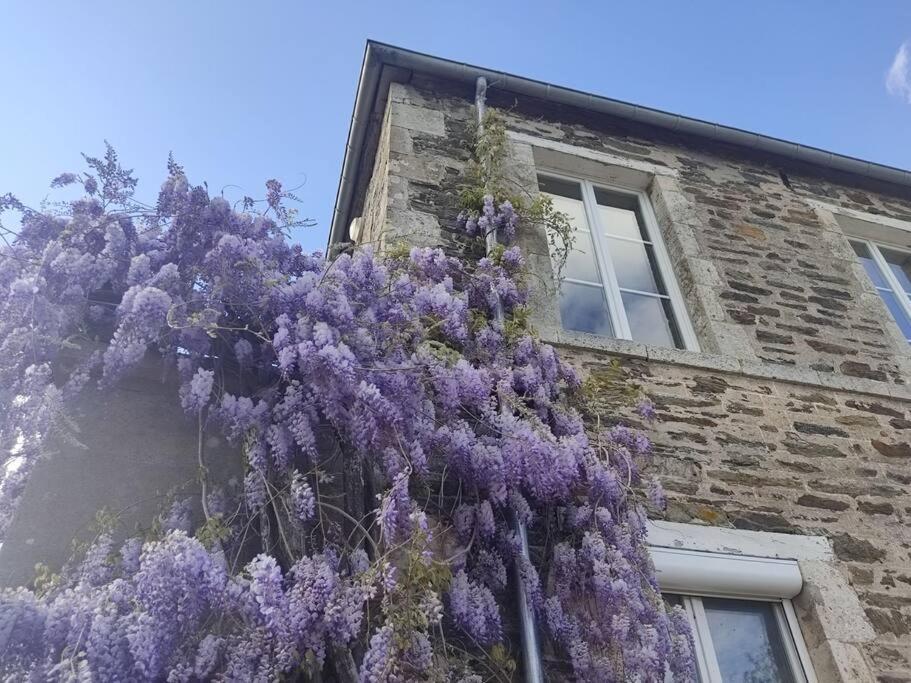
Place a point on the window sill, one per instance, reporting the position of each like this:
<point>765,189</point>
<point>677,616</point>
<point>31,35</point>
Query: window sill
<point>704,361</point>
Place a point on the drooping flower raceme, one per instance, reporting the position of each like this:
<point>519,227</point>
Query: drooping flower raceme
<point>391,428</point>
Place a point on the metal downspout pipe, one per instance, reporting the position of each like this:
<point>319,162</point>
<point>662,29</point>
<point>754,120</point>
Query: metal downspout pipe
<point>531,652</point>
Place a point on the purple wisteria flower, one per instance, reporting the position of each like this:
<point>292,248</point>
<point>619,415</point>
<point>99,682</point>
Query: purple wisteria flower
<point>195,394</point>
<point>474,609</point>
<point>302,498</point>
<point>646,410</point>
<point>411,375</point>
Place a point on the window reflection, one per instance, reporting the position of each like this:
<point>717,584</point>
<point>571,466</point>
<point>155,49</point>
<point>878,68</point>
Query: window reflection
<point>634,263</point>
<point>898,264</point>
<point>581,263</point>
<point>650,320</point>
<point>748,642</point>
<point>866,260</point>
<point>895,308</point>
<point>620,222</point>
<point>583,309</point>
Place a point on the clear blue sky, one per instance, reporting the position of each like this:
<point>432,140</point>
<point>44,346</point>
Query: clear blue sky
<point>245,91</point>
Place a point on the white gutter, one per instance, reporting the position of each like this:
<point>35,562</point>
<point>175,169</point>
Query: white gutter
<point>363,102</point>
<point>378,55</point>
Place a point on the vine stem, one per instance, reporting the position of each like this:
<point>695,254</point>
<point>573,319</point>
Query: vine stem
<point>365,531</point>
<point>278,519</point>
<point>203,471</point>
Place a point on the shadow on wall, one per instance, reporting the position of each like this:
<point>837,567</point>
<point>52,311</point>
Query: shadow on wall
<point>139,446</point>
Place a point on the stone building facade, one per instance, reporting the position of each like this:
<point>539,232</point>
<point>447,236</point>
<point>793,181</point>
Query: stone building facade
<point>788,414</point>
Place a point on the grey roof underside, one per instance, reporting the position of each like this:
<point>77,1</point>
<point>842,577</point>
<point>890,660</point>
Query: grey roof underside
<point>385,63</point>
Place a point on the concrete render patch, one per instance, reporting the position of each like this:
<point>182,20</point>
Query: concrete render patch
<point>740,542</point>
<point>834,603</point>
<point>840,663</point>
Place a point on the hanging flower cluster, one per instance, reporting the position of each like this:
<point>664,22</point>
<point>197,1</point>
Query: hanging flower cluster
<point>393,367</point>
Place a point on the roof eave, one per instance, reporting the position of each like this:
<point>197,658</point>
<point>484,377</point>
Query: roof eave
<point>379,54</point>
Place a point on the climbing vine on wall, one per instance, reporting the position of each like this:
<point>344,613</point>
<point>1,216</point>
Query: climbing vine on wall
<point>385,375</point>
<point>487,176</point>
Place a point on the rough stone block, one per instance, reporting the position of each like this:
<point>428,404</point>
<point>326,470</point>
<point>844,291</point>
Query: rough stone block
<point>417,119</point>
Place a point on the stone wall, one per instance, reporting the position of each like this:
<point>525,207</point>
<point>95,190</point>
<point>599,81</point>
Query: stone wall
<point>796,415</point>
<point>767,455</point>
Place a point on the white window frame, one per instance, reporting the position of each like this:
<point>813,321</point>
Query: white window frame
<point>706,659</point>
<point>611,286</point>
<point>904,299</point>
<point>753,566</point>
<point>872,228</point>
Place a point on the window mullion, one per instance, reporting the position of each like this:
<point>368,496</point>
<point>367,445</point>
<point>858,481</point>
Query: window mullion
<point>611,284</point>
<point>703,638</point>
<point>640,292</point>
<point>887,273</point>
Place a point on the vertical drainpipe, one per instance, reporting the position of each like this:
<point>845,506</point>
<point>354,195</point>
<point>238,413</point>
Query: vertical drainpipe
<point>531,653</point>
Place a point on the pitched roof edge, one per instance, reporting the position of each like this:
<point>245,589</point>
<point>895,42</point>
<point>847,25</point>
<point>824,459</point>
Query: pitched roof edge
<point>378,54</point>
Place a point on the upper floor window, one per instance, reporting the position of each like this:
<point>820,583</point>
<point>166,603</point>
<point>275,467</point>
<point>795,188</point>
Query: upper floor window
<point>889,269</point>
<point>617,281</point>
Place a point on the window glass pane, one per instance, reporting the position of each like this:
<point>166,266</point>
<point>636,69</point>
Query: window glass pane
<point>863,254</point>
<point>897,312</point>
<point>573,208</point>
<point>620,214</point>
<point>581,263</point>
<point>651,320</point>
<point>620,200</point>
<point>900,263</point>
<point>583,308</point>
<point>748,643</point>
<point>567,197</point>
<point>564,188</point>
<point>635,265</point>
<point>620,222</point>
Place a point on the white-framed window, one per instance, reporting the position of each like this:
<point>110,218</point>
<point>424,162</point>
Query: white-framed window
<point>618,281</point>
<point>745,641</point>
<point>889,268</point>
<point>739,606</point>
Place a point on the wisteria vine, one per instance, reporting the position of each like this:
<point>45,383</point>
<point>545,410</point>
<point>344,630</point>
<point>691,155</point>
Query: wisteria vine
<point>367,376</point>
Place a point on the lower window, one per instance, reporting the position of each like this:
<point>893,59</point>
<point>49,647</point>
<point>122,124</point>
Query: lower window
<point>745,641</point>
